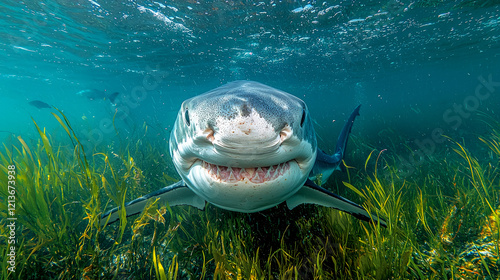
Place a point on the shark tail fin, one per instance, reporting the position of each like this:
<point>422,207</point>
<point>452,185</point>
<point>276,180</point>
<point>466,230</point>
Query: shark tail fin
<point>344,136</point>
<point>176,194</point>
<point>326,164</point>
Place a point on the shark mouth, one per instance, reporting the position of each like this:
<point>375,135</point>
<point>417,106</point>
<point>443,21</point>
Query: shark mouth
<point>255,175</point>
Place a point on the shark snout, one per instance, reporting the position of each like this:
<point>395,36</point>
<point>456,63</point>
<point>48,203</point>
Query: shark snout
<point>244,140</point>
<point>250,143</point>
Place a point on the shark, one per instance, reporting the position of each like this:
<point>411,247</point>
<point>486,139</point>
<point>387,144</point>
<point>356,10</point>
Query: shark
<point>247,147</point>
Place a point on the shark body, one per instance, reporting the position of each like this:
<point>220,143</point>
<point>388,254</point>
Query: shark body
<point>247,147</point>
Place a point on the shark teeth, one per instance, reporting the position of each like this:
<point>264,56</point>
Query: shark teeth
<point>255,175</point>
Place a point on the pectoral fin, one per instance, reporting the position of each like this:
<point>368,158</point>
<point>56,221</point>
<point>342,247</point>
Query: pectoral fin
<point>176,194</point>
<point>314,194</point>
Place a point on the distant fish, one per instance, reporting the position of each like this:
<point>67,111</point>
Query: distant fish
<point>39,104</point>
<point>94,94</point>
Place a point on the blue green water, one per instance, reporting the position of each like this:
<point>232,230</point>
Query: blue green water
<point>419,69</point>
<point>407,63</point>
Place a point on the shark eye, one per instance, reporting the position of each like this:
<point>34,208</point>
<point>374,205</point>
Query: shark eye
<point>303,116</point>
<point>186,117</point>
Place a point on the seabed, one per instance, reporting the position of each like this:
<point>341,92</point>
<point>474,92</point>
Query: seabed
<point>442,217</point>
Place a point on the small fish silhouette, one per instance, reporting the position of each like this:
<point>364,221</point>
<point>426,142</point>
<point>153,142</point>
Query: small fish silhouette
<point>39,104</point>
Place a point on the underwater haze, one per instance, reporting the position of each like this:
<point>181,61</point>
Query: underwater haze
<point>90,90</point>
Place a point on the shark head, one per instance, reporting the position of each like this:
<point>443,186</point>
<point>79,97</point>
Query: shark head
<point>244,146</point>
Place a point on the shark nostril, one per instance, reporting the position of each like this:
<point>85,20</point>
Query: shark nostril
<point>285,133</point>
<point>282,136</point>
<point>210,134</point>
